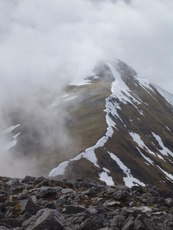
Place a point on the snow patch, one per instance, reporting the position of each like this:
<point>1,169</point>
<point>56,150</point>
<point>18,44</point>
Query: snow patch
<point>60,170</point>
<point>89,154</point>
<point>54,104</point>
<point>145,84</point>
<point>11,128</point>
<point>80,83</point>
<point>168,129</point>
<point>146,158</point>
<point>129,179</point>
<point>70,98</point>
<point>120,89</point>
<point>136,138</point>
<point>106,170</point>
<point>13,143</point>
<point>164,151</point>
<point>60,99</point>
<point>103,176</point>
<point>168,96</point>
<point>168,175</point>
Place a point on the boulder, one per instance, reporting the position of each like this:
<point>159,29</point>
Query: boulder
<point>28,205</point>
<point>46,219</point>
<point>47,192</point>
<point>129,224</point>
<point>169,202</point>
<point>73,209</point>
<point>92,223</point>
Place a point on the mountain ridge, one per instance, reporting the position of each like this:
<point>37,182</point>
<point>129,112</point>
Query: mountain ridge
<point>126,79</point>
<point>120,128</point>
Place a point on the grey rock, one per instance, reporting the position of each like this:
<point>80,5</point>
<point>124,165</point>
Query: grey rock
<point>2,208</point>
<point>121,195</point>
<point>13,182</point>
<point>28,180</point>
<point>92,223</point>
<point>81,204</point>
<point>129,224</point>
<point>118,221</point>
<point>28,206</point>
<point>46,219</point>
<point>72,209</point>
<point>138,224</point>
<point>90,192</point>
<point>66,190</point>
<point>23,195</point>
<point>2,215</point>
<point>39,180</point>
<point>169,220</point>
<point>34,199</point>
<point>11,222</point>
<point>42,183</point>
<point>107,228</point>
<point>92,210</point>
<point>4,228</point>
<point>112,203</point>
<point>132,203</point>
<point>169,202</point>
<point>51,205</point>
<point>47,192</point>
<point>151,225</point>
<point>61,202</point>
<point>3,197</point>
<point>110,190</point>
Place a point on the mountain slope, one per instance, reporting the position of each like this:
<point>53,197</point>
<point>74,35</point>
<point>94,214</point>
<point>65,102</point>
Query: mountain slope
<point>114,127</point>
<point>137,146</point>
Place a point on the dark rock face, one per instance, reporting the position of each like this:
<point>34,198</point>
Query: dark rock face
<point>43,204</point>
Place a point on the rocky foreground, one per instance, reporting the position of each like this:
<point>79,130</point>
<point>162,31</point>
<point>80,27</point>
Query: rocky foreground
<point>40,204</point>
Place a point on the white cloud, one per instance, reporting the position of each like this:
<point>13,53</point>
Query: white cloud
<point>46,43</point>
<point>43,41</point>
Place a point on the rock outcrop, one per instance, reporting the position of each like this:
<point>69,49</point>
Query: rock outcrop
<point>39,204</point>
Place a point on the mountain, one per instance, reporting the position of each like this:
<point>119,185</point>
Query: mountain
<point>120,128</point>
<point>136,147</point>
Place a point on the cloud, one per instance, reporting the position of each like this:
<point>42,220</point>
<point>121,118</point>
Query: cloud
<point>46,43</point>
<point>53,41</point>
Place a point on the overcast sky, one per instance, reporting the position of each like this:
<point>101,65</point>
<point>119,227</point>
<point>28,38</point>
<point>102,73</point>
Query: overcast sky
<point>44,44</point>
<point>48,42</point>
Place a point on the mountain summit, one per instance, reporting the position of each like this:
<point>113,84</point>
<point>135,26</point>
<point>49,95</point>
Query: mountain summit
<point>136,147</point>
<point>120,128</point>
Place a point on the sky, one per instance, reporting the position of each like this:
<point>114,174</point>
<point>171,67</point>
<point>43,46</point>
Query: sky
<point>45,44</point>
<point>49,42</point>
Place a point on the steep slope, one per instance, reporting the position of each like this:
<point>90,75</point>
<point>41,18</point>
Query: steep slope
<point>114,127</point>
<point>63,126</point>
<point>137,146</point>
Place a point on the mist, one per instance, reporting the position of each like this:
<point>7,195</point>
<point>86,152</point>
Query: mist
<point>46,44</point>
